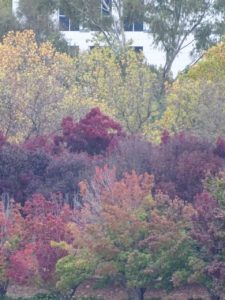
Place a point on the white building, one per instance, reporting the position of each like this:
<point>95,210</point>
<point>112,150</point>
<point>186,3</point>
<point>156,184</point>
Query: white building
<point>137,33</point>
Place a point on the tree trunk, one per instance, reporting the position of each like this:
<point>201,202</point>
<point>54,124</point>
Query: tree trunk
<point>136,293</point>
<point>3,288</point>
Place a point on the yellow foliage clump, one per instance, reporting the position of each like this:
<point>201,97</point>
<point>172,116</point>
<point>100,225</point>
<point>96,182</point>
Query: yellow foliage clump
<point>39,86</point>
<point>196,100</point>
<point>33,79</point>
<point>123,87</point>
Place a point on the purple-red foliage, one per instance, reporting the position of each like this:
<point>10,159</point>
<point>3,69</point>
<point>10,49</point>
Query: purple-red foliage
<point>2,139</point>
<point>220,147</point>
<point>92,134</point>
<point>23,265</point>
<point>217,270</point>
<point>205,206</point>
<point>46,222</point>
<point>208,232</point>
<point>181,162</point>
<point>39,143</point>
<point>130,153</point>
<point>165,137</point>
<point>15,172</point>
<point>64,173</point>
<point>23,173</point>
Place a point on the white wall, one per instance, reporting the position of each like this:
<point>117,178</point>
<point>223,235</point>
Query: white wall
<point>15,4</point>
<point>154,56</point>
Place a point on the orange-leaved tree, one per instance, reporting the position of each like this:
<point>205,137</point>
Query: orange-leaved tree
<point>130,236</point>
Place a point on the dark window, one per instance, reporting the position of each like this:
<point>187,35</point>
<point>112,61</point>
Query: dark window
<point>74,26</point>
<point>138,26</point>
<point>127,25</point>
<point>138,49</point>
<point>64,23</point>
<point>133,26</point>
<point>133,20</point>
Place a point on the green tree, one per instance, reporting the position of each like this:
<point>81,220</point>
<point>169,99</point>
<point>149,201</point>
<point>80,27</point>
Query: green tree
<point>177,24</point>
<point>174,25</point>
<point>38,16</point>
<point>7,19</point>
<point>72,271</point>
<point>97,15</point>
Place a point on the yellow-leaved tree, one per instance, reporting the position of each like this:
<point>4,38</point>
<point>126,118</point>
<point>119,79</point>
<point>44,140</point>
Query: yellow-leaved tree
<point>33,81</point>
<point>39,86</point>
<point>196,100</point>
<point>124,87</point>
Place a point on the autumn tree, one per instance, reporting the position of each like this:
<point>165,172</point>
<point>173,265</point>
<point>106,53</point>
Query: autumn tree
<point>125,232</point>
<point>92,134</point>
<point>208,231</point>
<point>127,92</point>
<point>45,223</point>
<point>196,100</point>
<point>179,163</point>
<point>33,79</point>
<point>11,226</point>
<point>39,86</point>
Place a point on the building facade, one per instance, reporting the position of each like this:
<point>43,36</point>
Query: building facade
<point>136,33</point>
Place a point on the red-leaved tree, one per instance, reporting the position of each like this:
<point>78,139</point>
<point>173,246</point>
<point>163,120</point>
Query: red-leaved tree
<point>45,223</point>
<point>92,134</point>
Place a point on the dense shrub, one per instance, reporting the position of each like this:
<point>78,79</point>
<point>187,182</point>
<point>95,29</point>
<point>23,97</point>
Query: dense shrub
<point>181,162</point>
<point>41,143</point>
<point>64,173</point>
<point>208,232</point>
<point>15,172</point>
<point>2,139</point>
<point>23,173</point>
<point>220,147</point>
<point>92,134</point>
<point>130,153</point>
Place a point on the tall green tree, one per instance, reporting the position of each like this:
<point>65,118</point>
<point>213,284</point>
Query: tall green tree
<point>176,24</point>
<point>7,19</point>
<point>38,16</point>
